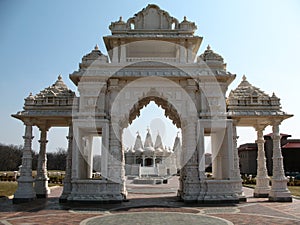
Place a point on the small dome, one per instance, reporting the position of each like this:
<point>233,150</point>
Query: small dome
<point>59,83</point>
<point>30,97</point>
<point>94,57</point>
<point>211,55</point>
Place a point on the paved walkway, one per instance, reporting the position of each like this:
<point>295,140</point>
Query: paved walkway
<point>149,204</point>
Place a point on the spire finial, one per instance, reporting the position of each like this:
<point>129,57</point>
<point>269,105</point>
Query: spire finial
<point>208,47</point>
<point>244,78</point>
<point>120,20</point>
<point>148,129</point>
<point>96,47</point>
<point>184,18</point>
<point>59,77</point>
<point>138,133</point>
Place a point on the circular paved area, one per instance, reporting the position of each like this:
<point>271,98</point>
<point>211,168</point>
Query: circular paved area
<point>155,218</point>
<point>145,207</point>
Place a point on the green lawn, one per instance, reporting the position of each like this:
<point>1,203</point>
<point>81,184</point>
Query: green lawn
<point>7,188</point>
<point>295,190</point>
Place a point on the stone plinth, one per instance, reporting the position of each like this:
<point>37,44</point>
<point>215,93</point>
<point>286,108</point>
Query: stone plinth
<point>221,191</point>
<point>92,191</point>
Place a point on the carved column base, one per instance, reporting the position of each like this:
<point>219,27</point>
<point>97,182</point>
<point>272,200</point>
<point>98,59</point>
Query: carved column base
<point>279,191</point>
<point>190,183</point>
<point>262,188</point>
<point>190,192</point>
<point>220,191</point>
<point>41,187</point>
<point>239,190</point>
<point>66,191</point>
<point>25,191</point>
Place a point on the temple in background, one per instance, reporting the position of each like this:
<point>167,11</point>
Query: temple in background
<point>150,159</point>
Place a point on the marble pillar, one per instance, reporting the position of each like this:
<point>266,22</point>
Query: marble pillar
<point>89,156</point>
<point>25,191</point>
<point>123,178</point>
<point>67,180</point>
<point>143,160</point>
<point>104,150</point>
<point>190,186</point>
<point>41,182</point>
<point>116,160</point>
<point>279,191</point>
<point>262,187</point>
<point>236,174</point>
<point>201,151</point>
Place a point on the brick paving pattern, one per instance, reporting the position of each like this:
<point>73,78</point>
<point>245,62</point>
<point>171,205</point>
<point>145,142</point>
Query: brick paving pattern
<point>149,204</point>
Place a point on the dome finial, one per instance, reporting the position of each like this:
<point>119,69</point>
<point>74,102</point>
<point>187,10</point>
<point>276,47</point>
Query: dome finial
<point>208,47</point>
<point>59,77</point>
<point>244,78</point>
<point>120,20</point>
<point>96,47</point>
<point>184,18</point>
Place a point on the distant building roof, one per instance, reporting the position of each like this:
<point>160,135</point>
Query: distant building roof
<point>292,144</point>
<point>247,147</point>
<point>281,135</point>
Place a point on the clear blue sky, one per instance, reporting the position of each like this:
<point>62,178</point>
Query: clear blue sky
<point>41,39</point>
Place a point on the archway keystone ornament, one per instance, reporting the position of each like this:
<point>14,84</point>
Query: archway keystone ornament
<point>151,57</point>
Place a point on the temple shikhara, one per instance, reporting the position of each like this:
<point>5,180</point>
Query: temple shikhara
<point>152,57</point>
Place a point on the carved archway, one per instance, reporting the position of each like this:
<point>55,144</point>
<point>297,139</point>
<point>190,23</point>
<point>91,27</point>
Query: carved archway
<point>170,111</point>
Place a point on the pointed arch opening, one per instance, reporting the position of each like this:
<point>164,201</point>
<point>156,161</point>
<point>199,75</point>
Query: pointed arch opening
<point>154,159</point>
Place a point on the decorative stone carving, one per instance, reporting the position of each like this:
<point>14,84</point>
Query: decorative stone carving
<point>279,191</point>
<point>41,182</point>
<point>67,189</point>
<point>151,57</point>
<point>262,187</point>
<point>247,97</point>
<point>25,191</point>
<point>94,58</point>
<point>151,18</point>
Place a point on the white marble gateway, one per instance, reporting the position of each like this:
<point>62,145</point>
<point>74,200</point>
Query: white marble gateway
<point>151,57</point>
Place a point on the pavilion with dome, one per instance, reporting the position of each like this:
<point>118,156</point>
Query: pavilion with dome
<point>152,57</point>
<point>152,159</point>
